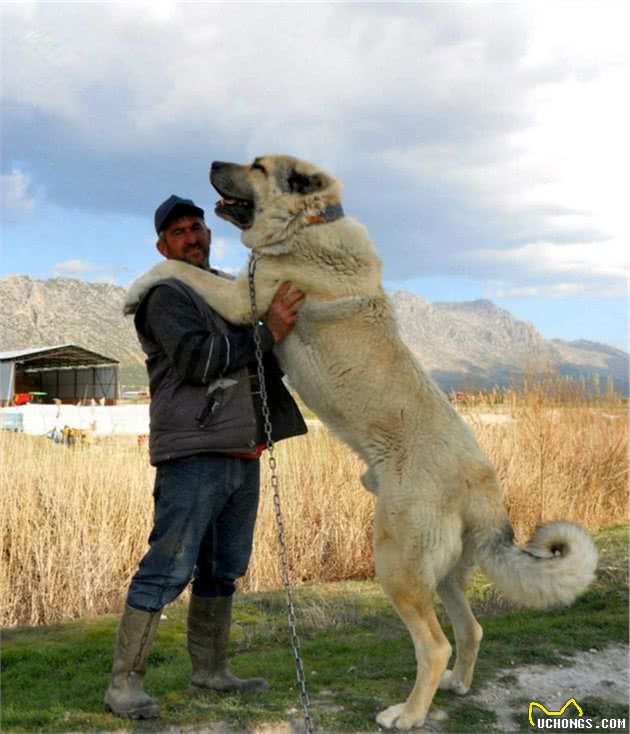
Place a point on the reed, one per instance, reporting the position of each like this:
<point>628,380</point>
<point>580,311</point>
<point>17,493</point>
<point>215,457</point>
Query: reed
<point>74,521</point>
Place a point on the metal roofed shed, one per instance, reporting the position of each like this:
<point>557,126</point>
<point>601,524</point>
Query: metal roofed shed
<point>64,372</point>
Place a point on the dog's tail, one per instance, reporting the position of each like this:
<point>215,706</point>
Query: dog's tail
<point>553,569</point>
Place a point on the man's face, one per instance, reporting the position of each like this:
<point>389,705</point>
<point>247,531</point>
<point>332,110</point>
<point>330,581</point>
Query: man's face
<point>188,239</point>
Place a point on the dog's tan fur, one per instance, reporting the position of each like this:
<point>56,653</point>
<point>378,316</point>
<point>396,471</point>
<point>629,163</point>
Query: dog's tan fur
<point>439,509</point>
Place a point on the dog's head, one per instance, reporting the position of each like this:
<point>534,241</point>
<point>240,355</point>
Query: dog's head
<point>273,196</point>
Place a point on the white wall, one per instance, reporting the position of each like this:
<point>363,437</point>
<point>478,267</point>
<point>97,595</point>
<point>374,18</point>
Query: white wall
<point>103,419</point>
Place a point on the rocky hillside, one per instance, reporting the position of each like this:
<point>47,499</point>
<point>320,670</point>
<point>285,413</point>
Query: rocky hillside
<point>463,345</point>
<point>470,343</point>
<point>477,343</point>
<point>64,310</point>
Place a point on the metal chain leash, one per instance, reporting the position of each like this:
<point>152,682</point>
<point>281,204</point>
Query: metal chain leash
<point>295,640</point>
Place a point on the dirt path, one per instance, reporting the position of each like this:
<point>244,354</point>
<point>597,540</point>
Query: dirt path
<point>599,674</point>
<point>594,674</point>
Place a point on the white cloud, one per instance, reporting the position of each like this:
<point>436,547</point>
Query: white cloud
<point>251,70</point>
<point>231,270</point>
<point>83,270</point>
<point>557,290</point>
<point>16,197</point>
<point>606,260</point>
<point>220,246</point>
<point>518,112</point>
<point>228,254</point>
<point>565,175</point>
<point>73,267</point>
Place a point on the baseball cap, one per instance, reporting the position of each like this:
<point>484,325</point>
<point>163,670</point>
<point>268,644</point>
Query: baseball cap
<point>172,208</point>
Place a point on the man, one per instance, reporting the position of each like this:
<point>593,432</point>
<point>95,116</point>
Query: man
<point>205,439</point>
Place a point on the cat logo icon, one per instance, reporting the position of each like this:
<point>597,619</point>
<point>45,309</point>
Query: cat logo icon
<point>546,712</point>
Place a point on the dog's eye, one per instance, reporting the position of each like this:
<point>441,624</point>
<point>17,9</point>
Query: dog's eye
<point>259,167</point>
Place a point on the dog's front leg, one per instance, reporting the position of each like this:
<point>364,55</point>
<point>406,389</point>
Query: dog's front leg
<point>230,298</point>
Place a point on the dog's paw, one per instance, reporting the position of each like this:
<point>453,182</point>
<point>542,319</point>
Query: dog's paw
<point>450,683</point>
<point>389,716</point>
<point>437,715</point>
<point>132,299</point>
<point>139,288</point>
<point>397,717</point>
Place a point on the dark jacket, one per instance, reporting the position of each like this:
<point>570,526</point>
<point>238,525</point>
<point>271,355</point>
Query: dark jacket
<point>189,347</point>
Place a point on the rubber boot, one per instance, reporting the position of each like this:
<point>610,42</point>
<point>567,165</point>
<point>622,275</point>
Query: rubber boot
<point>209,622</point>
<point>125,695</point>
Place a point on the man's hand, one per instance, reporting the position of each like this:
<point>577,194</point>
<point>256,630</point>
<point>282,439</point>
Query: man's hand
<point>282,313</point>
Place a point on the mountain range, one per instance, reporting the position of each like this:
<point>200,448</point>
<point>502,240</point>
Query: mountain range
<point>464,345</point>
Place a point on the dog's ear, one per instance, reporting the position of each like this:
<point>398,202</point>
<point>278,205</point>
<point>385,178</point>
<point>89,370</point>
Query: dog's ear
<point>301,183</point>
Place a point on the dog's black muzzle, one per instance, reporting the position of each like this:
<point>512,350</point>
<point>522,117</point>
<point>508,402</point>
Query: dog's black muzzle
<point>237,202</point>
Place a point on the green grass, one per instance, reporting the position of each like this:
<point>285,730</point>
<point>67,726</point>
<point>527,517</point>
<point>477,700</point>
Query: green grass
<point>358,658</point>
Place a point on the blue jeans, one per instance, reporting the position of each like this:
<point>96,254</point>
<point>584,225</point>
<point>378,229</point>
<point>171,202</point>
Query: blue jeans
<point>205,511</point>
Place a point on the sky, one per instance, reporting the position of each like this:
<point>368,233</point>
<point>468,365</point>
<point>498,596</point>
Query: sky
<point>485,145</point>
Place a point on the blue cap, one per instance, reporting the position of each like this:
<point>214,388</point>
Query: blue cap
<point>173,208</point>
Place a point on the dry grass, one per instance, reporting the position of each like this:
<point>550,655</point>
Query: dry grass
<point>563,456</point>
<point>74,521</point>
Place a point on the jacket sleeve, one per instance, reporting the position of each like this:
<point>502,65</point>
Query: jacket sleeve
<point>198,354</point>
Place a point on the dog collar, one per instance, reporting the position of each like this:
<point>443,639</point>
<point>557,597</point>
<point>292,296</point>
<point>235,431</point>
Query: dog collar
<point>329,214</point>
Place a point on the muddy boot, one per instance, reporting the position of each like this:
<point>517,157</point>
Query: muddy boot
<point>125,695</point>
<point>209,621</point>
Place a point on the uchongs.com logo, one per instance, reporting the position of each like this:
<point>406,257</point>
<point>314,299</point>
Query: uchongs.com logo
<point>570,717</point>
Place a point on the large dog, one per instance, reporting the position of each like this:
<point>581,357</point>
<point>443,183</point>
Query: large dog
<point>439,509</point>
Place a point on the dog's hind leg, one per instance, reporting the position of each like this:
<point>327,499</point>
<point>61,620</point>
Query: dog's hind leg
<point>468,632</point>
<point>414,604</point>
